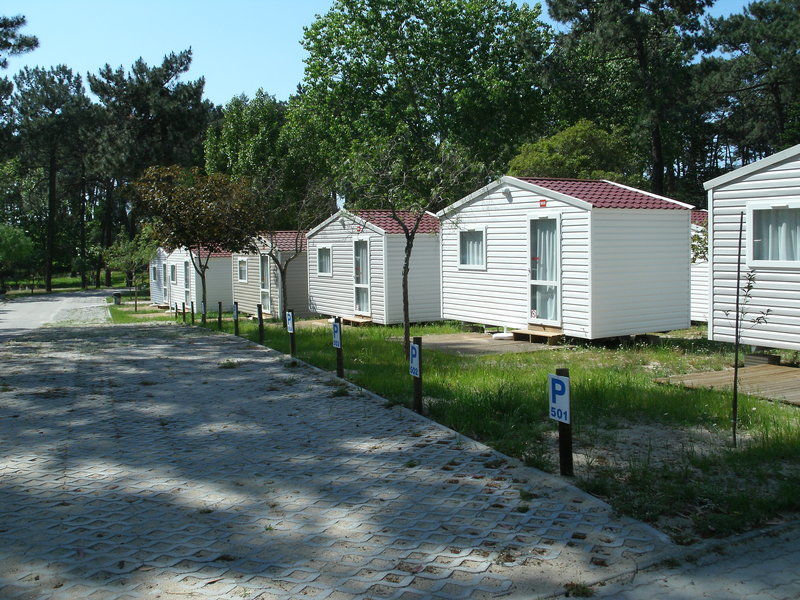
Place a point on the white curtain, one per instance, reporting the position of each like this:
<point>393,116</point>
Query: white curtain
<point>544,259</point>
<point>776,234</point>
<point>471,249</point>
<point>543,302</point>
<point>264,272</point>
<point>323,260</point>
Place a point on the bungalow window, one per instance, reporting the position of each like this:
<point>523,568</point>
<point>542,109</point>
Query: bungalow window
<point>324,265</point>
<point>775,234</point>
<point>242,269</point>
<point>173,273</point>
<point>154,273</point>
<point>472,248</point>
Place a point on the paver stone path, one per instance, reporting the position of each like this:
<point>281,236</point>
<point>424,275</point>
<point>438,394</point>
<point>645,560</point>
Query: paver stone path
<point>169,462</point>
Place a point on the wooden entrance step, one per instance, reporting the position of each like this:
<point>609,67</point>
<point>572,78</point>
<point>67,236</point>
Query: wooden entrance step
<point>356,321</point>
<point>539,333</point>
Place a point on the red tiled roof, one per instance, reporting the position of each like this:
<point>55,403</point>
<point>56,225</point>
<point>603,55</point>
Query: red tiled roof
<point>700,217</point>
<point>286,241</point>
<point>386,221</point>
<point>602,194</point>
<point>214,253</point>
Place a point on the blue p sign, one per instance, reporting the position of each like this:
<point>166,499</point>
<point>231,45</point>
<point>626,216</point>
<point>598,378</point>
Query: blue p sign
<point>559,398</point>
<point>413,360</point>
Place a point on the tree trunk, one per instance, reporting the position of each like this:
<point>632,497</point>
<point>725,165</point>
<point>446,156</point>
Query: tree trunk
<point>653,112</point>
<point>406,311</point>
<point>108,277</point>
<point>82,231</point>
<point>50,235</point>
<point>284,291</point>
<point>205,297</point>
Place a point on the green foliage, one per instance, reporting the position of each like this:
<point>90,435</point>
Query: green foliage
<point>699,244</point>
<point>16,251</point>
<point>582,151</point>
<point>244,142</point>
<point>12,42</point>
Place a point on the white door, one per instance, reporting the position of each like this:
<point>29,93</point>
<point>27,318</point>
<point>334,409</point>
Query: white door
<point>266,300</point>
<point>165,285</point>
<point>187,288</point>
<point>361,276</point>
<point>545,259</point>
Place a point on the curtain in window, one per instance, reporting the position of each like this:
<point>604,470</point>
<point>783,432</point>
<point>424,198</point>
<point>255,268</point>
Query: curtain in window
<point>544,253</point>
<point>264,272</point>
<point>362,300</point>
<point>186,278</point>
<point>471,248</point>
<point>361,262</point>
<point>776,234</point>
<point>543,302</point>
<point>323,260</point>
<point>242,270</point>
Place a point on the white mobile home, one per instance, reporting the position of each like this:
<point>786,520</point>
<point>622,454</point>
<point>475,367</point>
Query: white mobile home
<point>355,262</point>
<point>159,278</point>
<point>586,258</point>
<point>699,274</point>
<point>767,193</point>
<point>257,280</point>
<point>184,285</point>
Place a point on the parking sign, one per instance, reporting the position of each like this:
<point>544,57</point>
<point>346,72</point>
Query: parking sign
<point>559,398</point>
<point>413,360</point>
<point>337,335</point>
<point>289,321</point>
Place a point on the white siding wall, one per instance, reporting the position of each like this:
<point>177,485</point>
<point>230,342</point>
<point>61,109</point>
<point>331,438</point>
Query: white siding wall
<point>247,294</point>
<point>157,283</point>
<point>423,279</point>
<point>777,289</point>
<point>499,295</point>
<point>640,271</point>
<point>218,282</point>
<point>296,287</point>
<point>699,286</point>
<point>335,295</point>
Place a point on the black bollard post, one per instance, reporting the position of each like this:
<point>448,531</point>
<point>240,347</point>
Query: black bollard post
<point>260,325</point>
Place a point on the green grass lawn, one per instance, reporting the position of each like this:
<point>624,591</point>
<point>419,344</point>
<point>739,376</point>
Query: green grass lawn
<point>690,490</point>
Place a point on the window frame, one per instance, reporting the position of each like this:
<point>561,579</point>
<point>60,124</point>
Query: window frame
<point>187,275</point>
<point>467,229</point>
<point>366,286</point>
<point>239,261</point>
<point>752,207</point>
<point>154,273</point>
<point>329,248</point>
<point>173,273</point>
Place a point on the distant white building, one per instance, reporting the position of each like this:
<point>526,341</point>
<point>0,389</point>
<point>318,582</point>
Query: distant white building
<point>586,258</point>
<point>355,262</point>
<point>179,282</point>
<point>256,279</point>
<point>767,193</point>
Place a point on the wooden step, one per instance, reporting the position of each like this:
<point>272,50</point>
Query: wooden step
<point>551,337</point>
<point>356,321</point>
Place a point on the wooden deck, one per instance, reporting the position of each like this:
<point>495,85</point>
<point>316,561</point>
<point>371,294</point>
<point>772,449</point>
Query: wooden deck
<point>773,382</point>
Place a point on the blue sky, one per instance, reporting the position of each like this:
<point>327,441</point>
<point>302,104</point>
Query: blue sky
<point>238,45</point>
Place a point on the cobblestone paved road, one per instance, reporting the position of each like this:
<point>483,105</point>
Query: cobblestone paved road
<point>168,462</point>
<point>759,568</point>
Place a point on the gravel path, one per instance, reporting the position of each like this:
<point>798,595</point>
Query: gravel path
<point>19,315</point>
<point>169,462</point>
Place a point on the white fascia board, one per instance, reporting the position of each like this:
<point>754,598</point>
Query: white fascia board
<point>651,194</point>
<point>346,214</point>
<point>752,167</point>
<point>518,183</point>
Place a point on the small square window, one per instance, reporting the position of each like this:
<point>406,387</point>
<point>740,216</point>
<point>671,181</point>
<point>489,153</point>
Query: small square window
<point>471,248</point>
<point>324,266</point>
<point>242,269</point>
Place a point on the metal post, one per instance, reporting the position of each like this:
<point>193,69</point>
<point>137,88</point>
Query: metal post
<point>192,313</point>
<point>339,354</point>
<point>183,308</point>
<point>260,325</point>
<point>235,318</point>
<point>565,439</point>
<point>219,316</point>
<point>418,379</point>
<point>177,312</point>
<point>292,343</point>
